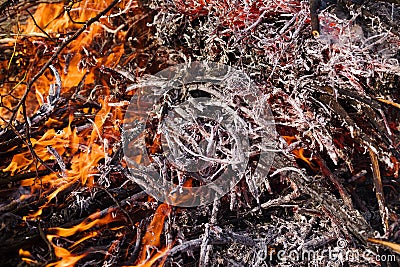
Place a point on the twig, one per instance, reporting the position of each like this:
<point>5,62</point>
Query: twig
<point>40,28</point>
<point>257,22</point>
<point>119,206</point>
<point>139,236</point>
<point>314,7</point>
<point>49,245</point>
<point>205,248</point>
<point>55,55</point>
<point>379,190</point>
<point>59,160</point>
<point>131,201</point>
<point>24,176</point>
<point>281,200</point>
<point>334,180</point>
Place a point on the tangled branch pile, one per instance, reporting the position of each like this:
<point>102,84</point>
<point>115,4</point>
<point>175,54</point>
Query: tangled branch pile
<point>68,198</point>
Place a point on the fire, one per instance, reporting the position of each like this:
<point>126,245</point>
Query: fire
<point>299,153</point>
<point>185,197</point>
<point>23,161</point>
<point>289,139</point>
<point>75,65</point>
<point>24,253</point>
<point>90,235</point>
<point>26,257</point>
<point>83,226</point>
<point>77,60</point>
<point>73,146</point>
<point>391,245</point>
<point>188,183</point>
<point>53,19</point>
<point>161,254</point>
<point>152,237</point>
<point>87,151</point>
<point>65,256</point>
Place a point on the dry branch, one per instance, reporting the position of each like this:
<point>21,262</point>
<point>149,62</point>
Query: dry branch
<point>333,98</point>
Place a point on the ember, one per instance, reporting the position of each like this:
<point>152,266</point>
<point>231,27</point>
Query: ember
<point>115,115</point>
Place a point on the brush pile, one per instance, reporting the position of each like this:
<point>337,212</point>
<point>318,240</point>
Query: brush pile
<point>70,68</point>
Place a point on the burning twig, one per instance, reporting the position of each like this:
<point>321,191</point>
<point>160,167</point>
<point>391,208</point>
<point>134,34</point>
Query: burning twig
<point>40,28</point>
<point>314,8</point>
<point>326,95</point>
<point>59,160</point>
<point>379,190</point>
<point>23,176</point>
<point>62,46</point>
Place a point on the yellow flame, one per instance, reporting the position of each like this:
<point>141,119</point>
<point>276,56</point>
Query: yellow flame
<point>391,245</point>
<point>65,256</point>
<point>85,225</point>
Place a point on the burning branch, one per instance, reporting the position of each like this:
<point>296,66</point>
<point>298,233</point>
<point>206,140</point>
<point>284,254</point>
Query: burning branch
<point>71,71</point>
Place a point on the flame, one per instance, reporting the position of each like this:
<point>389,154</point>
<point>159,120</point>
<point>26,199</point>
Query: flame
<point>26,256</point>
<point>24,161</point>
<point>82,163</point>
<point>66,257</point>
<point>90,235</point>
<point>152,237</point>
<point>55,21</point>
<point>29,261</point>
<point>289,139</point>
<point>83,149</point>
<point>78,59</point>
<point>187,192</point>
<point>188,182</point>
<point>299,153</point>
<point>83,226</point>
<point>161,254</point>
<point>391,245</point>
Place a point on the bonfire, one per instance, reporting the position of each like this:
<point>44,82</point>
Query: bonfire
<point>199,133</point>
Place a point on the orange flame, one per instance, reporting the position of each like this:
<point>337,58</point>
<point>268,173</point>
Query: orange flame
<point>83,226</point>
<point>55,21</point>
<point>152,237</point>
<point>161,254</point>
<point>67,259</point>
<point>65,256</point>
<point>299,153</point>
<point>289,139</point>
<point>90,235</point>
<point>391,245</point>
<point>26,256</point>
<point>82,163</point>
<point>82,150</point>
